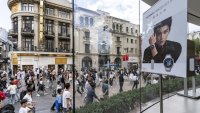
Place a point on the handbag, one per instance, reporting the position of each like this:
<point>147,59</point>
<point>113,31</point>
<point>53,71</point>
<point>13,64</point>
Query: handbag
<point>7,94</point>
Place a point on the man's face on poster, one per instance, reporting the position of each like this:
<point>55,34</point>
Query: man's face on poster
<point>162,34</point>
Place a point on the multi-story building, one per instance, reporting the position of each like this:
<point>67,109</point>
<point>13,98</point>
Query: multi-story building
<point>125,42</point>
<point>102,40</point>
<point>5,47</point>
<point>86,36</point>
<point>43,32</point>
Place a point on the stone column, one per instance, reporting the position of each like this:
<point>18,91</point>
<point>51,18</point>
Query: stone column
<point>36,32</point>
<point>56,69</point>
<point>19,33</point>
<point>71,37</point>
<point>65,67</point>
<point>56,34</point>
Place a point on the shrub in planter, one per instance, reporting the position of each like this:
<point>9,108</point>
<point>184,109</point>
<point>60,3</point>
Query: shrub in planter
<point>126,101</point>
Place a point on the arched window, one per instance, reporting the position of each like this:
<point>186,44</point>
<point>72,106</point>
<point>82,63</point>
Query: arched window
<point>118,62</point>
<point>86,62</point>
<point>117,27</point>
<point>120,28</point>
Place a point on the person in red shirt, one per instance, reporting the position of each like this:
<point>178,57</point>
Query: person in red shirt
<point>2,97</point>
<point>18,84</point>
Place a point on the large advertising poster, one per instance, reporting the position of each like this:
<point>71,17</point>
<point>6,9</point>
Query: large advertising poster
<point>164,43</point>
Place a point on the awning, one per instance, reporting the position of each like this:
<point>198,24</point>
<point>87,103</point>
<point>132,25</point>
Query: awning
<point>193,10</point>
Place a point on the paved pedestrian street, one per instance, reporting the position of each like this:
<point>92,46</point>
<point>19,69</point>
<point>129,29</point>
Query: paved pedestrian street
<point>44,102</point>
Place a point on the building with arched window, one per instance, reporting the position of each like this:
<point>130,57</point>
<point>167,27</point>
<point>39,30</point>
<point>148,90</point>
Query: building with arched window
<point>102,40</point>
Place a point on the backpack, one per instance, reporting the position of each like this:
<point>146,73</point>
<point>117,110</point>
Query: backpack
<point>22,94</point>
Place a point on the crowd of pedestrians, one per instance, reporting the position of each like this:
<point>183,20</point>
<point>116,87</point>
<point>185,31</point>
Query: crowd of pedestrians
<point>21,86</point>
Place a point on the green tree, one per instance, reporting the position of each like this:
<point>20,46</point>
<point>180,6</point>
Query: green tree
<point>197,45</point>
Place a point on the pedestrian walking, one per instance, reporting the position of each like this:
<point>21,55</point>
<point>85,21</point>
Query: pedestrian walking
<point>59,101</point>
<point>121,80</point>
<point>67,99</point>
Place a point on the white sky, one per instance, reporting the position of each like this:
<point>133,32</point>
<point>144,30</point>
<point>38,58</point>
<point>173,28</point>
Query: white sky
<point>5,21</point>
<point>124,9</point>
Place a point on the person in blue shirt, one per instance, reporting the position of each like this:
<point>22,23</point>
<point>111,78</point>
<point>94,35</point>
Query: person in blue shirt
<point>91,94</point>
<point>105,89</point>
<point>59,101</point>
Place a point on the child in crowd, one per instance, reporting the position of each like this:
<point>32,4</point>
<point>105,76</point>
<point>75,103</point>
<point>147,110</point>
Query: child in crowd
<point>24,108</point>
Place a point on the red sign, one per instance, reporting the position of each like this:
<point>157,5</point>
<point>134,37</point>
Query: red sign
<point>125,57</point>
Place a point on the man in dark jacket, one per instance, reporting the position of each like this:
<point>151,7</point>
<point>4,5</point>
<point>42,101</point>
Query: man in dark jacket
<point>121,80</point>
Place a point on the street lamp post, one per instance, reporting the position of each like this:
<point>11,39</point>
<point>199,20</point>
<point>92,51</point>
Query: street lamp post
<point>73,57</point>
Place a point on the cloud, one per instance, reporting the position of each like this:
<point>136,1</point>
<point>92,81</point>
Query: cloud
<point>5,21</point>
<point>124,9</point>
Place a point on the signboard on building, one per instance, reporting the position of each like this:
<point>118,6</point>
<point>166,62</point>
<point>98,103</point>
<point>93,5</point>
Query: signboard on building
<point>60,60</point>
<point>164,45</point>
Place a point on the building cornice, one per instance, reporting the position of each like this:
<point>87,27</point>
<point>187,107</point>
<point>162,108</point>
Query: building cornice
<point>34,53</point>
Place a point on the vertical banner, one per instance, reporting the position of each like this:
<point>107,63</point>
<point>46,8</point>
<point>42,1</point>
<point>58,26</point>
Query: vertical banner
<point>164,43</point>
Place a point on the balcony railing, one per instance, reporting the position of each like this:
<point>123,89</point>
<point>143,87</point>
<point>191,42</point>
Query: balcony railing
<point>63,50</point>
<point>28,49</point>
<point>117,31</point>
<point>118,43</point>
<point>13,32</point>
<point>63,35</point>
<point>49,50</point>
<point>50,34</point>
<point>87,51</point>
<point>118,53</point>
<point>27,30</point>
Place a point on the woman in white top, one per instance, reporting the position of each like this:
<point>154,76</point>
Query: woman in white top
<point>12,89</point>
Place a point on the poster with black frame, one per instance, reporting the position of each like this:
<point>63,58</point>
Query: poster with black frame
<point>164,40</point>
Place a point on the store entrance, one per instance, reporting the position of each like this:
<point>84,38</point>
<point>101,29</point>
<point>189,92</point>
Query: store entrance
<point>51,67</point>
<point>27,67</point>
<point>15,68</point>
<point>60,67</point>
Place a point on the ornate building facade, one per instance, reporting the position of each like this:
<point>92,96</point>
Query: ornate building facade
<point>42,30</point>
<point>103,40</point>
